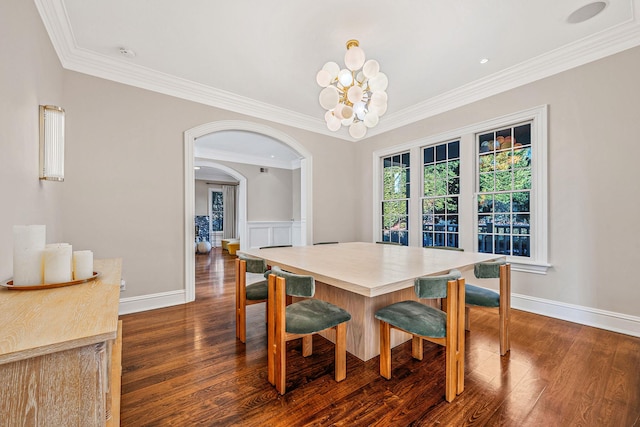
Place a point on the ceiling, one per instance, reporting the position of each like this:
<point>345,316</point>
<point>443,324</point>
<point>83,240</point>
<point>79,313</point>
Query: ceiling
<point>260,58</point>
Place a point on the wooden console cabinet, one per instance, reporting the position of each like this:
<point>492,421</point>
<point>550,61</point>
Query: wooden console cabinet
<point>60,353</point>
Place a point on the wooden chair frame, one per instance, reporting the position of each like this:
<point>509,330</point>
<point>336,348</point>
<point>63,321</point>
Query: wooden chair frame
<point>504,311</point>
<point>454,341</point>
<point>241,300</point>
<point>277,338</point>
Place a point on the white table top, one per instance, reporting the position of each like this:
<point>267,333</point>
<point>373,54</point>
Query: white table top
<point>368,269</point>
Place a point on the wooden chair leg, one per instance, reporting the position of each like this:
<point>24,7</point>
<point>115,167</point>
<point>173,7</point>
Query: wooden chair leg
<point>280,337</point>
<point>241,301</point>
<point>271,329</point>
<point>461,321</point>
<point>505,308</point>
<point>416,347</point>
<point>307,345</point>
<point>385,350</point>
<point>451,341</point>
<point>341,352</point>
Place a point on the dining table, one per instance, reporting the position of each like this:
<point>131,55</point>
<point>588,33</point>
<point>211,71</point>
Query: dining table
<point>362,277</point>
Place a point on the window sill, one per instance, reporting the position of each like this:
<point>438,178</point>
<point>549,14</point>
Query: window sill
<point>534,267</point>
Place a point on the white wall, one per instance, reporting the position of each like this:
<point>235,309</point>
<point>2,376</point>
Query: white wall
<point>30,75</point>
<point>594,125</point>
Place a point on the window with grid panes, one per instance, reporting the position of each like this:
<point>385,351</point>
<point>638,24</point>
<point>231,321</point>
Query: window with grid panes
<point>504,182</point>
<point>395,198</point>
<point>440,201</point>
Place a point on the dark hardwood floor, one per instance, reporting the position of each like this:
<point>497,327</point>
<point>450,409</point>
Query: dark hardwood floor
<point>183,366</point>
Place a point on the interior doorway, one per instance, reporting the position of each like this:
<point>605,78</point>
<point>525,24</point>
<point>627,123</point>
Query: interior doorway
<point>190,137</point>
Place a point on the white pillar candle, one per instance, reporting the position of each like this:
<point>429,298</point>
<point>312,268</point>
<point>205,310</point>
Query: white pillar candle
<point>28,244</point>
<point>57,263</point>
<point>82,264</point>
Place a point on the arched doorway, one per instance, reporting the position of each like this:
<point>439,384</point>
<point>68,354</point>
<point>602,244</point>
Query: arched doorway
<point>190,137</point>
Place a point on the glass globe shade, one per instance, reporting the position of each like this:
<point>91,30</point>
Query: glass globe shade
<point>379,109</point>
<point>347,122</point>
<point>371,119</point>
<point>338,111</point>
<point>359,109</point>
<point>329,97</point>
<point>357,130</point>
<point>354,94</point>
<point>378,98</point>
<point>347,112</point>
<point>333,123</point>
<point>371,68</point>
<point>332,68</point>
<point>360,78</point>
<point>378,83</point>
<point>345,78</point>
<point>323,78</point>
<point>354,58</point>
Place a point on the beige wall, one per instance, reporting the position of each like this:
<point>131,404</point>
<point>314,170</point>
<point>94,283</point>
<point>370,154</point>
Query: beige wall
<point>593,154</point>
<point>30,75</point>
<point>269,194</point>
<point>124,190</point>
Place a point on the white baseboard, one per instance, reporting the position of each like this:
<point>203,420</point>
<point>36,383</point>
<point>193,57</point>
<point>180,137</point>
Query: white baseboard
<point>609,320</point>
<point>151,302</point>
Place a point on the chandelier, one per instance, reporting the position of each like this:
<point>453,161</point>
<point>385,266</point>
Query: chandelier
<point>354,96</point>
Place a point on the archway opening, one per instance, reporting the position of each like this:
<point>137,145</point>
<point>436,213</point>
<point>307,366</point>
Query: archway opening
<point>192,156</point>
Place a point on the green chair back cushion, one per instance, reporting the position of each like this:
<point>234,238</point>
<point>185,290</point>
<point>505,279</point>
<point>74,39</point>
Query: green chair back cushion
<point>434,286</point>
<point>254,265</point>
<point>297,285</point>
<point>488,270</point>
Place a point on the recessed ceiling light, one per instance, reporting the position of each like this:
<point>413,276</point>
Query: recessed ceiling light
<point>586,12</point>
<point>484,60</point>
<point>127,52</point>
<point>196,167</point>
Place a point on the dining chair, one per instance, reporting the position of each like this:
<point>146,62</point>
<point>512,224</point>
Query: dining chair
<point>254,293</point>
<point>476,296</point>
<point>487,298</point>
<point>300,319</point>
<point>424,322</point>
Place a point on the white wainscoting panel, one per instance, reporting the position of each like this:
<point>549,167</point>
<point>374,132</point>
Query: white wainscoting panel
<point>272,233</point>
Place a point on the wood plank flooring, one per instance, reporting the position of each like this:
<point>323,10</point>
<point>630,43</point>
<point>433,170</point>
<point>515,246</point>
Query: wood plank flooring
<point>182,366</point>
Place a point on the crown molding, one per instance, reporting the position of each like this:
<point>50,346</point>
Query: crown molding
<point>588,49</point>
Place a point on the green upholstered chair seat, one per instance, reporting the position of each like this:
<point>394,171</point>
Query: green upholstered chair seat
<point>313,315</point>
<point>258,291</point>
<point>482,297</point>
<point>415,318</point>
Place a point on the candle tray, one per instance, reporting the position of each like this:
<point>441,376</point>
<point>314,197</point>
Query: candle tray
<point>10,285</point>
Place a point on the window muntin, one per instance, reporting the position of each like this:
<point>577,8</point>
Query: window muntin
<point>504,181</point>
<point>396,191</point>
<point>441,190</point>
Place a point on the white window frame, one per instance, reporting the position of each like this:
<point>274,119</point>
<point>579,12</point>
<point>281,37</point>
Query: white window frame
<point>538,261</point>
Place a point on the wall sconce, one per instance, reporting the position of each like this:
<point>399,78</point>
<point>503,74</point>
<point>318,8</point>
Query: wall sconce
<point>51,143</point>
